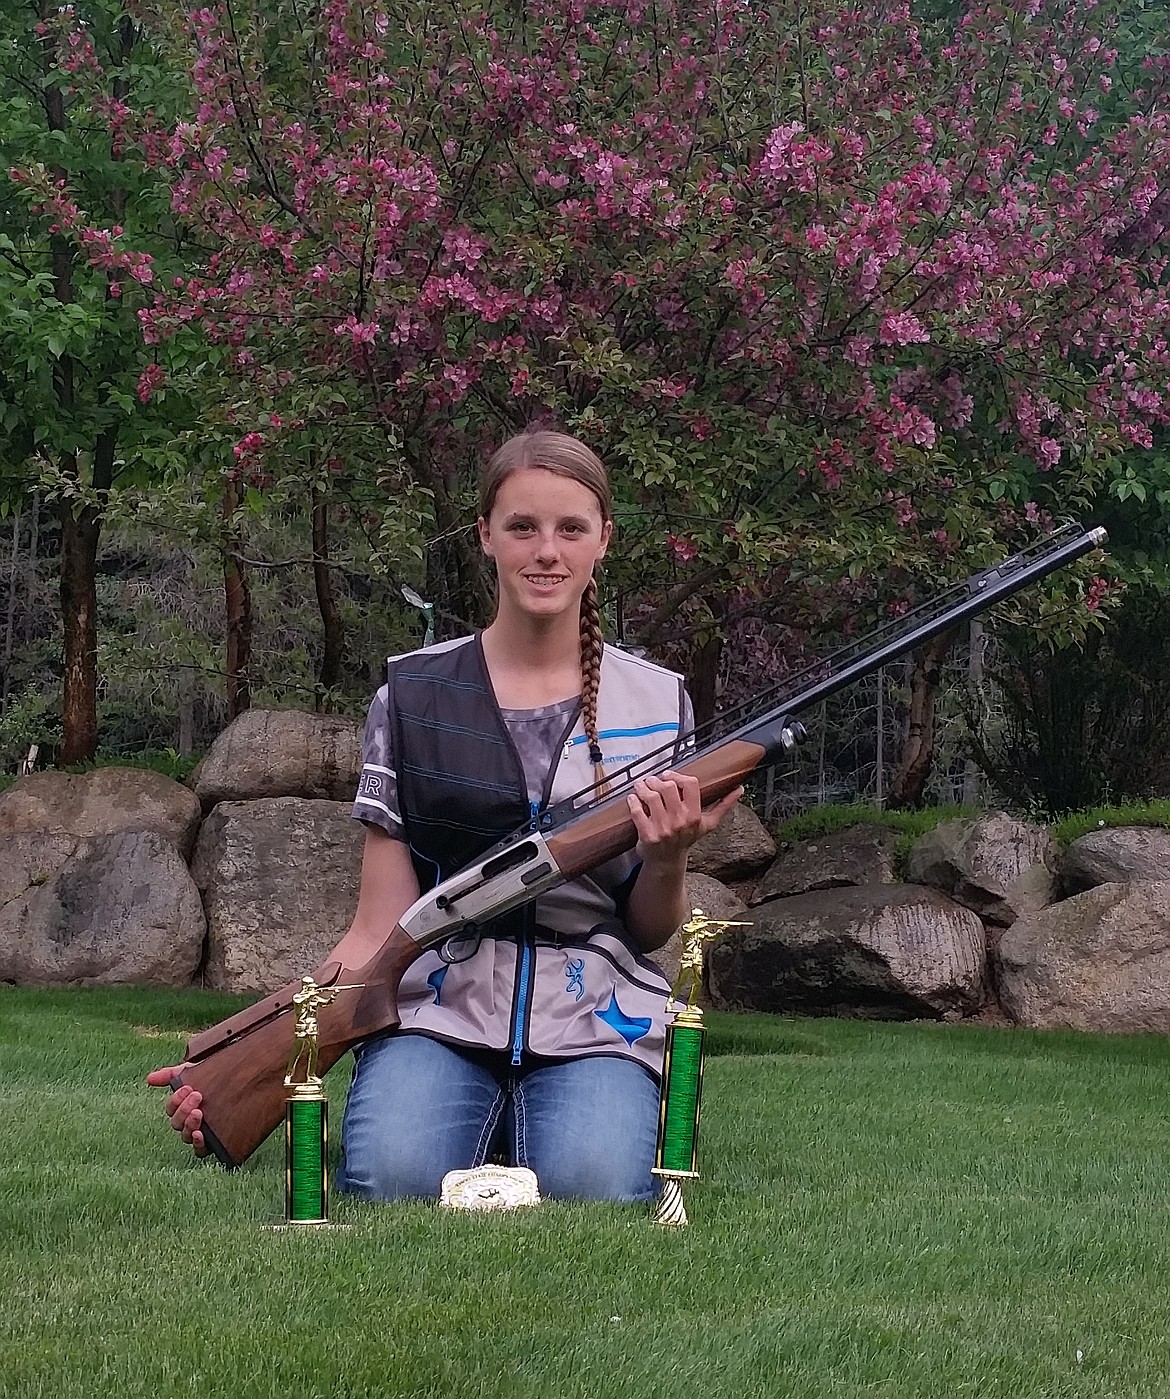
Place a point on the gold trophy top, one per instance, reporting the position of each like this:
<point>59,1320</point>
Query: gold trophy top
<point>307,1002</point>
<point>696,933</point>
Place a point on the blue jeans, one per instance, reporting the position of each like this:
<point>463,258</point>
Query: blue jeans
<point>418,1108</point>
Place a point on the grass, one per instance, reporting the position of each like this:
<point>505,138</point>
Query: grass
<point>824,820</point>
<point>1144,813</point>
<point>885,1210</point>
<point>164,760</point>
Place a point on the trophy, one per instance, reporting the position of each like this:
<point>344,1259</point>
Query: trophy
<point>306,1113</point>
<point>676,1155</point>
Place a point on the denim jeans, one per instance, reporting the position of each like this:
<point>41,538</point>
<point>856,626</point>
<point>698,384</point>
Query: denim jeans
<point>418,1108</point>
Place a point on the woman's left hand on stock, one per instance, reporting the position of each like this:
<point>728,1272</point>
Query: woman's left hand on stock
<point>669,817</point>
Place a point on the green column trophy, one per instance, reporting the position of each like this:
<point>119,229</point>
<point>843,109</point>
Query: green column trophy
<point>306,1114</point>
<point>676,1156</point>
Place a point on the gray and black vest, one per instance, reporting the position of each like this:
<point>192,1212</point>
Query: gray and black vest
<point>544,979</point>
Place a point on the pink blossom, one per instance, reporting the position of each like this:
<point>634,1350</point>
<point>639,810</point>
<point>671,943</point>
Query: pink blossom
<point>250,443</point>
<point>1049,452</point>
<point>464,246</point>
<point>1095,592</point>
<point>913,425</point>
<point>832,477</point>
<point>152,378</point>
<point>736,274</point>
<point>859,350</point>
<point>357,332</point>
<point>459,377</point>
<point>901,328</point>
<point>670,388</point>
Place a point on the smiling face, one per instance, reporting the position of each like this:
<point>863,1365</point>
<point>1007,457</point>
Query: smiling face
<point>545,533</point>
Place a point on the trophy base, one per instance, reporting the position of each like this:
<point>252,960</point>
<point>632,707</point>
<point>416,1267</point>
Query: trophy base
<point>669,1211</point>
<point>293,1225</point>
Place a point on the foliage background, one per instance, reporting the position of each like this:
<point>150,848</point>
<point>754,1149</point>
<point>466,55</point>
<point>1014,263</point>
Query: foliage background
<point>852,302</point>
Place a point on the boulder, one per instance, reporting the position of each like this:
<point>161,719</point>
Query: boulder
<point>1097,961</point>
<point>893,952</point>
<point>279,878</point>
<point>862,854</point>
<point>97,910</point>
<point>103,802</point>
<point>715,900</point>
<point>738,847</point>
<point>281,753</point>
<point>996,866</point>
<point>1116,855</point>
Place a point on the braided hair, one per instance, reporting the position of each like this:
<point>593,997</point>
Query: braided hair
<point>592,648</point>
<point>564,456</point>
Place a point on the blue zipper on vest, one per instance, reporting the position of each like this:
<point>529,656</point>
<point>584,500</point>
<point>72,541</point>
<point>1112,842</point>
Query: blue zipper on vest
<point>525,966</point>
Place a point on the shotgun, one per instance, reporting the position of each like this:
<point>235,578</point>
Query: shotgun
<point>238,1065</point>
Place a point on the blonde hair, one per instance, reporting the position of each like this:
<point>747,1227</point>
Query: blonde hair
<point>564,456</point>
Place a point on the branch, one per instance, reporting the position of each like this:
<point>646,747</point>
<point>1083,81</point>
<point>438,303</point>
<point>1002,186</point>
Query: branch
<point>675,598</point>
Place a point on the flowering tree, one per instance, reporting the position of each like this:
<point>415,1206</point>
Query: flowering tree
<point>76,379</point>
<point>846,300</point>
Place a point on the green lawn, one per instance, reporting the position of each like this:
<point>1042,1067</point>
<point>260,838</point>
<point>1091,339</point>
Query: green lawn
<point>885,1210</point>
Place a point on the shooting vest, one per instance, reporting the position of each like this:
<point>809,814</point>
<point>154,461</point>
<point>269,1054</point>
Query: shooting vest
<point>517,984</point>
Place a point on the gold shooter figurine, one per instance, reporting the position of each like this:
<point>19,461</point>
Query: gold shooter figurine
<point>308,1001</point>
<point>699,931</point>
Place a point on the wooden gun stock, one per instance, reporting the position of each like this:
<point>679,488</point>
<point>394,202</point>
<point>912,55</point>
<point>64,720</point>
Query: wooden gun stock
<point>239,1064</point>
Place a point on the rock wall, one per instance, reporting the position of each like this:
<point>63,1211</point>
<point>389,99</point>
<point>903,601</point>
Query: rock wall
<point>244,883</point>
<point>1000,922</point>
<point>123,876</point>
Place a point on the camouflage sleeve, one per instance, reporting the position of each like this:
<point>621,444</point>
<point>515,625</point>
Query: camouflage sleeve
<point>376,802</point>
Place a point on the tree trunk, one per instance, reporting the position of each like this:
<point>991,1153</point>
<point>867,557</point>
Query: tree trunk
<point>703,677</point>
<point>34,535</point>
<point>238,611</point>
<point>909,782</point>
<point>10,625</point>
<point>462,589</point>
<point>186,715</point>
<point>332,628</point>
<point>79,544</point>
<point>80,528</point>
<point>80,533</point>
<point>459,580</point>
<point>975,645</point>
